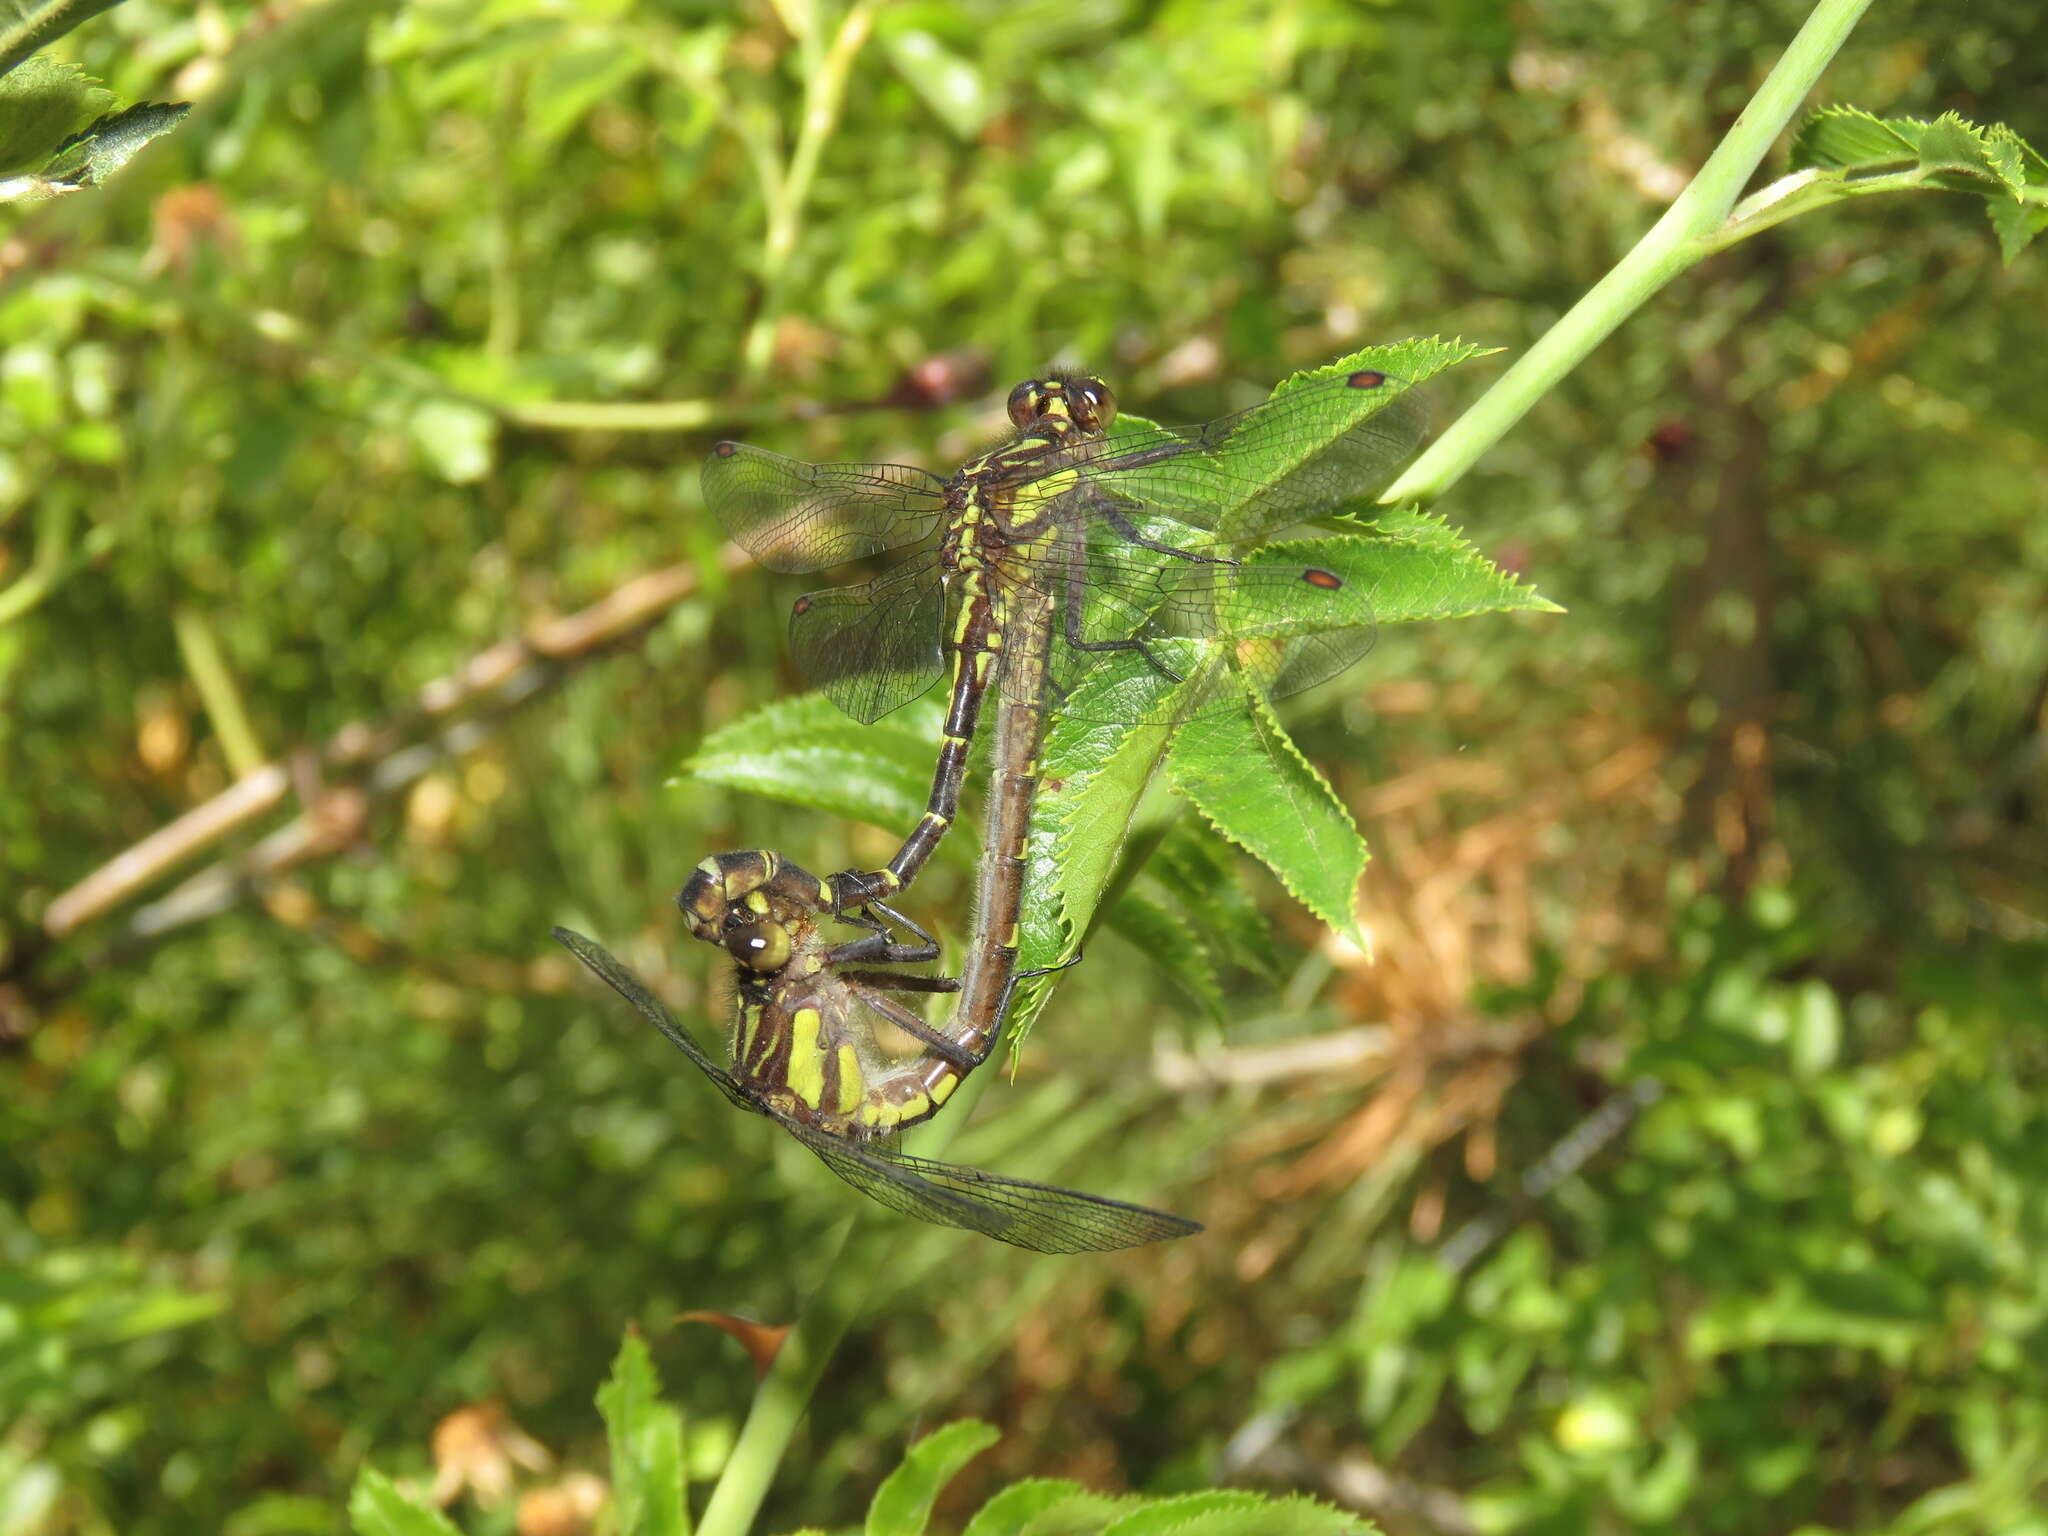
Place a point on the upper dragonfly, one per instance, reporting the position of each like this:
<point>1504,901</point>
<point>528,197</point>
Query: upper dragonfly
<point>1130,542</point>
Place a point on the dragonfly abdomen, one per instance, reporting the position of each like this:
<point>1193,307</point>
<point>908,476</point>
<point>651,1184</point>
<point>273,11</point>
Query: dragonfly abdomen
<point>810,1054</point>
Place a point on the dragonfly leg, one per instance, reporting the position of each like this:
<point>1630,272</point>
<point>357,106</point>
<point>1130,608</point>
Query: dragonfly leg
<point>963,1059</point>
<point>1129,530</point>
<point>881,947</point>
<point>1076,637</point>
<point>1010,987</point>
<point>895,982</point>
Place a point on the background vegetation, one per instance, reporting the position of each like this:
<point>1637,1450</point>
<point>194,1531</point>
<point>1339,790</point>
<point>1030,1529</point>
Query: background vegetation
<point>406,342</point>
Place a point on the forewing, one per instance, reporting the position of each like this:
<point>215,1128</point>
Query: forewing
<point>793,516</point>
<point>1300,455</point>
<point>1036,1216</point>
<point>634,991</point>
<point>1208,630</point>
<point>874,647</point>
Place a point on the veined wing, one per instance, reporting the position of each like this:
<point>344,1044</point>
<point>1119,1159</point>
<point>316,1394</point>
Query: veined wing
<point>1300,455</point>
<point>1206,632</point>
<point>874,647</point>
<point>634,991</point>
<point>793,516</point>
<point>1042,1217</point>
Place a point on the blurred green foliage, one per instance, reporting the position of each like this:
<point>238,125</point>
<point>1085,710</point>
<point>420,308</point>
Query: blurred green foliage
<point>327,392</point>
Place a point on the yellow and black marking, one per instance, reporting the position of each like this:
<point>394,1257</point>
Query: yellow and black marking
<point>997,505</point>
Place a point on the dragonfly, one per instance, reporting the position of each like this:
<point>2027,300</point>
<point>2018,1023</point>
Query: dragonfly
<point>1131,546</point>
<point>805,1054</point>
<point>805,1043</point>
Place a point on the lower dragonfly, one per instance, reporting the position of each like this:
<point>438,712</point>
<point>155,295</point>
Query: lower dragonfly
<point>805,1054</point>
<point>804,1044</point>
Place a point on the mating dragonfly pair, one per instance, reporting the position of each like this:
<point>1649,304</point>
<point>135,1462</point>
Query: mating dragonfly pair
<point>1070,554</point>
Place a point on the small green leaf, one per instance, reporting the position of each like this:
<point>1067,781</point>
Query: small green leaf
<point>1415,567</point>
<point>1857,153</point>
<point>1170,941</point>
<point>951,86</point>
<point>1044,1507</point>
<point>26,26</point>
<point>1234,1512</point>
<point>455,438</point>
<point>1838,138</point>
<point>646,1437</point>
<point>88,158</point>
<point>2017,225</point>
<point>1094,775</point>
<point>1249,779</point>
<point>575,73</point>
<point>803,751</point>
<point>376,1507</point>
<point>903,1504</point>
<point>41,104</point>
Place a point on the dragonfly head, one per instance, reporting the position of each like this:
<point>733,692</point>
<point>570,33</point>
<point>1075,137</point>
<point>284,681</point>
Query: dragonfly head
<point>1062,405</point>
<point>757,906</point>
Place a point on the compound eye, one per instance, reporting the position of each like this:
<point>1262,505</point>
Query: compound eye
<point>1097,404</point>
<point>1024,402</point>
<point>759,946</point>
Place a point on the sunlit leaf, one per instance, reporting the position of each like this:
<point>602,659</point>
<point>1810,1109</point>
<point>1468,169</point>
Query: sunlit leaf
<point>1250,782</point>
<point>376,1507</point>
<point>646,1436</point>
<point>903,1504</point>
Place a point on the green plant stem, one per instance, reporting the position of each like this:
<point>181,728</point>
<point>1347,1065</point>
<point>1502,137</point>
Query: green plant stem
<point>501,340</point>
<point>615,415</point>
<point>824,94</point>
<point>46,566</point>
<point>270,329</point>
<point>785,1392</point>
<point>43,25</point>
<point>218,693</point>
<point>1691,228</point>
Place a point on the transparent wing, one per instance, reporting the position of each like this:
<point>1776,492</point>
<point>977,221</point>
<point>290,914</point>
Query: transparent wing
<point>874,647</point>
<point>634,991</point>
<point>1298,456</point>
<point>793,516</point>
<point>1042,1217</point>
<point>1158,639</point>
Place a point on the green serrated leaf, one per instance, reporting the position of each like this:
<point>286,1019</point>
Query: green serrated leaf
<point>1246,776</point>
<point>26,26</point>
<point>646,1436</point>
<point>804,751</point>
<point>1094,775</point>
<point>1849,138</point>
<point>1205,879</point>
<point>1415,567</point>
<point>42,103</point>
<point>88,158</point>
<point>2017,225</point>
<point>1230,1513</point>
<point>1044,1507</point>
<point>1951,144</point>
<point>1172,942</point>
<point>903,1504</point>
<point>376,1507</point>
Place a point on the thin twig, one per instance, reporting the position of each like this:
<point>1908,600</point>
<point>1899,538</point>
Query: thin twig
<point>381,758</point>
